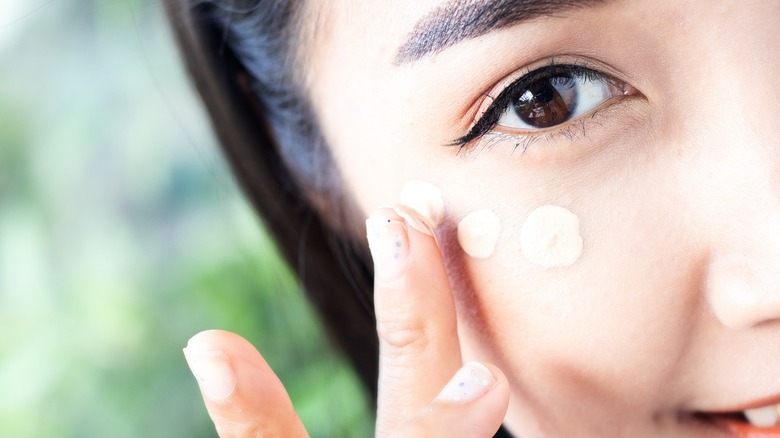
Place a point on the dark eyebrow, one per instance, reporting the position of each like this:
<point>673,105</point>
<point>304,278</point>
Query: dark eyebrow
<point>458,20</point>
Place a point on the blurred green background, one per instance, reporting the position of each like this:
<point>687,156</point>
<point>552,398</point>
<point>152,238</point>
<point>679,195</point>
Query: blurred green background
<point>122,234</point>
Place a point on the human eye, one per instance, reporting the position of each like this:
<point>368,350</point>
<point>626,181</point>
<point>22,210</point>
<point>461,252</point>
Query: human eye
<point>546,100</point>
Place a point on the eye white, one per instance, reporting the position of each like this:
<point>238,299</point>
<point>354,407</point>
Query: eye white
<point>582,93</point>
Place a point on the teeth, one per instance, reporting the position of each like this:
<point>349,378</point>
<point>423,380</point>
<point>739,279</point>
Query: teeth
<point>763,417</point>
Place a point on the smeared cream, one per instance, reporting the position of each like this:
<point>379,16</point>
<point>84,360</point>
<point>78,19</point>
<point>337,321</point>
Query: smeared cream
<point>478,233</point>
<point>551,237</point>
<point>426,199</point>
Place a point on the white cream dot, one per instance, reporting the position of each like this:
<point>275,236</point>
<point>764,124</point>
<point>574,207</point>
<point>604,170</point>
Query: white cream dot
<point>551,237</point>
<point>478,233</point>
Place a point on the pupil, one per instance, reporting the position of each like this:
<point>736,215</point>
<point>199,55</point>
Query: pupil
<point>545,93</point>
<point>541,105</point>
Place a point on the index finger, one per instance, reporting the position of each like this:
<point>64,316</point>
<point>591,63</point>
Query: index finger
<point>415,312</point>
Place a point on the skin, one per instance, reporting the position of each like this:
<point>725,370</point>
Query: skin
<point>673,306</point>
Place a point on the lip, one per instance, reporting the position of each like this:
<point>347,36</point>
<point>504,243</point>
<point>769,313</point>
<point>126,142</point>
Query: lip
<point>731,420</point>
<point>740,429</point>
<point>756,403</point>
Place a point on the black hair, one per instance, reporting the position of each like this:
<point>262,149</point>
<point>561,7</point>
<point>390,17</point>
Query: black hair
<point>242,57</point>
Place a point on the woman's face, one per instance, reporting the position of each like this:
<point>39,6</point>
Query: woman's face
<point>655,123</point>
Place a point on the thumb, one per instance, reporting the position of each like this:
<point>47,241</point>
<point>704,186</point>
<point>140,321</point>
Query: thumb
<point>472,404</point>
<point>242,394</point>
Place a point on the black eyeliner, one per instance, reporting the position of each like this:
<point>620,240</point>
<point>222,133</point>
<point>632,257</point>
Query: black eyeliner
<point>490,117</point>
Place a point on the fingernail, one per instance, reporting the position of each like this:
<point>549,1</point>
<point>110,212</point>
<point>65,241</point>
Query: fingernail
<point>388,241</point>
<point>414,219</point>
<point>470,382</point>
<point>213,371</point>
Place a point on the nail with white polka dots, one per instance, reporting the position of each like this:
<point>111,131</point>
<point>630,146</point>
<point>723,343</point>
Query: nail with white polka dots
<point>470,382</point>
<point>389,243</point>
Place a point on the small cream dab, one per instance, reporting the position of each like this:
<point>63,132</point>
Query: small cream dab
<point>478,233</point>
<point>551,237</point>
<point>426,198</point>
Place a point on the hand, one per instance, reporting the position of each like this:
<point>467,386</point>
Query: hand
<point>424,390</point>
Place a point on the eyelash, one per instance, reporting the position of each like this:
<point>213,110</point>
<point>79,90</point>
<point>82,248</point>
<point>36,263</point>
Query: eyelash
<point>490,118</point>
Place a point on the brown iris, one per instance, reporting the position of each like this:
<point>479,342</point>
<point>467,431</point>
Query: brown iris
<point>547,102</point>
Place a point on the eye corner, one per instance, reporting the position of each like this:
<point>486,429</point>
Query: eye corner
<point>485,122</point>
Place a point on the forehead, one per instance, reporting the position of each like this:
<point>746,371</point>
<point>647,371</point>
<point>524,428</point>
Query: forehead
<point>349,25</point>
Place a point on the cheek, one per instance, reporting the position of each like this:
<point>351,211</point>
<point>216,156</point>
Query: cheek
<point>580,306</point>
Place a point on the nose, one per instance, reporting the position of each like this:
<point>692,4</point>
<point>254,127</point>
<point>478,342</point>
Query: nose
<point>742,287</point>
<point>739,205</point>
<point>741,192</point>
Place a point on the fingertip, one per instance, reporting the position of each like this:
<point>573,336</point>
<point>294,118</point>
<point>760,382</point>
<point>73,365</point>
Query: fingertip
<point>208,355</point>
<point>471,381</point>
<point>214,357</point>
<point>411,217</point>
<point>501,385</point>
<point>473,403</point>
<point>389,244</point>
<point>213,371</point>
<point>496,372</point>
<point>498,396</point>
<point>415,219</point>
<point>212,339</point>
<point>242,394</point>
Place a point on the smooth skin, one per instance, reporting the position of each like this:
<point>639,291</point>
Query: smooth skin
<point>419,353</point>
